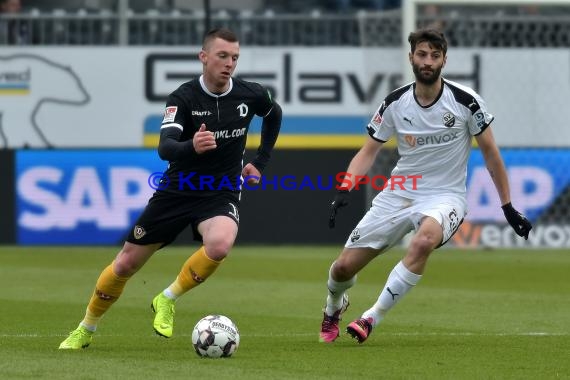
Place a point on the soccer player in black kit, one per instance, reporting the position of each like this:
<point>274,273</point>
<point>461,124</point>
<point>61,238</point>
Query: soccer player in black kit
<point>203,138</point>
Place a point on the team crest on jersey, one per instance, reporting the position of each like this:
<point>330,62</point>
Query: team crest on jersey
<point>355,235</point>
<point>242,108</point>
<point>139,232</point>
<point>169,114</point>
<point>448,119</point>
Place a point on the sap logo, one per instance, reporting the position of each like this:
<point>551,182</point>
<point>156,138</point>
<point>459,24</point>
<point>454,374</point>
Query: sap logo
<point>531,188</point>
<point>50,198</point>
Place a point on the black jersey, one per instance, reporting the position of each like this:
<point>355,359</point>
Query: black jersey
<point>228,116</point>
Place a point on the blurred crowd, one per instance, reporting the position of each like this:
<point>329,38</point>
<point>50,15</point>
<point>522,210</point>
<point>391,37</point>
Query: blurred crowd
<point>279,22</point>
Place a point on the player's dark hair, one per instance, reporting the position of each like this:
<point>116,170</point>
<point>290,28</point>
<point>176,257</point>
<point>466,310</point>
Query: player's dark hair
<point>223,33</point>
<point>434,38</point>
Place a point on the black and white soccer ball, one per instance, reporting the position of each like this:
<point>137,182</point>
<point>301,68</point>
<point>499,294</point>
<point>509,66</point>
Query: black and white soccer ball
<point>215,336</point>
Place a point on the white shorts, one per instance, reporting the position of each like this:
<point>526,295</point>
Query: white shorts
<point>392,216</point>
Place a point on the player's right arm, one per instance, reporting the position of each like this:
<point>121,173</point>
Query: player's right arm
<point>360,163</point>
<point>170,148</point>
<point>379,130</point>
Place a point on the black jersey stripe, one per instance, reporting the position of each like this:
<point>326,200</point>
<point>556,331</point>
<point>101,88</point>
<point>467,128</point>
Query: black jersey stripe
<point>371,132</point>
<point>464,98</point>
<point>396,94</point>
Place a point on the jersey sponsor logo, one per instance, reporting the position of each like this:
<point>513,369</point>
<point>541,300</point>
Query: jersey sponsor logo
<point>201,113</point>
<point>409,120</point>
<point>448,119</point>
<point>226,134</point>
<point>169,114</point>
<point>411,140</point>
<point>242,108</point>
<point>431,139</point>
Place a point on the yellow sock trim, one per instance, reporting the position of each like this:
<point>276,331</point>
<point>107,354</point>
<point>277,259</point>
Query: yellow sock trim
<point>108,289</point>
<point>194,271</point>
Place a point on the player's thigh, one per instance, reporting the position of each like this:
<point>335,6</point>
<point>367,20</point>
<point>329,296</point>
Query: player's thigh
<point>217,204</point>
<point>428,237</point>
<point>384,225</point>
<point>162,220</point>
<point>447,210</point>
<point>219,229</point>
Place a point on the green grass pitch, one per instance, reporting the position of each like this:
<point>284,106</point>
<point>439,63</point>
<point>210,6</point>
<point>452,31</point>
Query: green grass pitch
<point>481,314</point>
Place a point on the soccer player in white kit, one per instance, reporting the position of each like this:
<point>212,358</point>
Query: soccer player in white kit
<point>433,120</point>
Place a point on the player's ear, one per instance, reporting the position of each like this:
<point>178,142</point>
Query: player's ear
<point>202,56</point>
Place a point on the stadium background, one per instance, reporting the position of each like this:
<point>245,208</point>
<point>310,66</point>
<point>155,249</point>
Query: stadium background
<point>81,96</point>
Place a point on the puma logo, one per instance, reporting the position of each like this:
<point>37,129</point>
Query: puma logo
<point>392,294</point>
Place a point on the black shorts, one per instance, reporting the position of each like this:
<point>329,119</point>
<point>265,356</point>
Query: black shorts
<point>167,215</point>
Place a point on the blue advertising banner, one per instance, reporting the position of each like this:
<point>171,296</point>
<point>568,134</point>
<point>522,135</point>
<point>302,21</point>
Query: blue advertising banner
<point>81,196</point>
<point>537,177</point>
<point>94,196</point>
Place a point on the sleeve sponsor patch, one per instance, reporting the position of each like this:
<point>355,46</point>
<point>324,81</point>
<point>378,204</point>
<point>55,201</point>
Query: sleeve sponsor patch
<point>170,114</point>
<point>377,119</point>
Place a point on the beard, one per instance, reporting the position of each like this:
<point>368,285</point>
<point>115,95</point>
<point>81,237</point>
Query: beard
<point>424,78</point>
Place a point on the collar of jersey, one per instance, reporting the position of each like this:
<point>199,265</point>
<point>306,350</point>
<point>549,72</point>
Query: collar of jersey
<point>211,93</point>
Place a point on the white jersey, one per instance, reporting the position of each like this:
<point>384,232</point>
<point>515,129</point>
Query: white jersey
<point>434,142</point>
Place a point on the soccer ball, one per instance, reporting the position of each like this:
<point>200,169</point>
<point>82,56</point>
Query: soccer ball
<point>215,336</point>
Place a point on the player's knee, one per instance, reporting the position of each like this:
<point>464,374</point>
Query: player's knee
<point>218,249</point>
<point>129,260</point>
<point>125,266</point>
<point>342,271</point>
<point>424,243</point>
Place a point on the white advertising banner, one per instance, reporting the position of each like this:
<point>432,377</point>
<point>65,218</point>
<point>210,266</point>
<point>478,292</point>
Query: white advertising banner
<point>114,97</point>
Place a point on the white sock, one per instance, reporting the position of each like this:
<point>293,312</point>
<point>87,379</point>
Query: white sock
<point>399,282</point>
<point>168,294</point>
<point>88,327</point>
<point>336,292</point>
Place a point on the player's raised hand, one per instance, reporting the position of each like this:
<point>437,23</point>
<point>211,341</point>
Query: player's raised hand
<point>203,140</point>
<point>520,224</point>
<point>340,200</point>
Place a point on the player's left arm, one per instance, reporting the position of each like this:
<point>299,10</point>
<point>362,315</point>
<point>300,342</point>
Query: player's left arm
<point>498,172</point>
<point>269,132</point>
